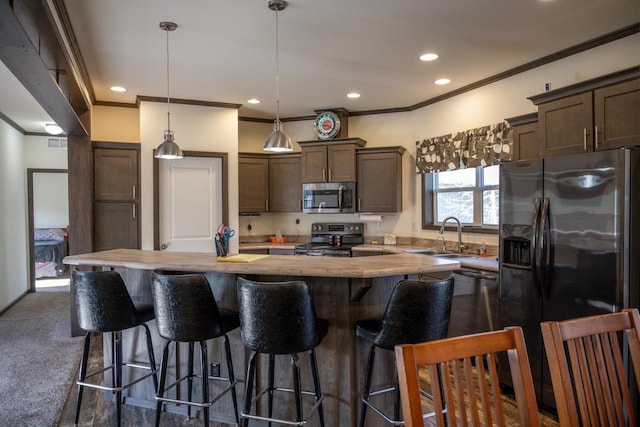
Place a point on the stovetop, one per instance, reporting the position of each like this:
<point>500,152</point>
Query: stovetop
<point>334,236</point>
<point>323,246</point>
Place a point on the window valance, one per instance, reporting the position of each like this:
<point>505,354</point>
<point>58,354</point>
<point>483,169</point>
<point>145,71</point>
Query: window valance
<point>483,146</point>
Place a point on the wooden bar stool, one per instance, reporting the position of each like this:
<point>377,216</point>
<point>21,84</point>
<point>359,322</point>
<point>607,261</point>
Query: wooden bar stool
<point>186,311</point>
<point>104,305</point>
<point>417,311</point>
<point>277,319</point>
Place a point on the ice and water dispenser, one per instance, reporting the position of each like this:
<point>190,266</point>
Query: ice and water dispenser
<point>516,246</point>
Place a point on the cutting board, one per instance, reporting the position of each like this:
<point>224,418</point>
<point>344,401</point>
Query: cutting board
<point>241,257</point>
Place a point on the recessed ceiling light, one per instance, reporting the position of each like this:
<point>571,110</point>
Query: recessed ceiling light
<point>353,95</point>
<point>429,57</point>
<point>118,89</point>
<point>442,81</point>
<point>253,101</point>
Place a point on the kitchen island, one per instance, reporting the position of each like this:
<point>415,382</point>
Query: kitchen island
<point>345,290</point>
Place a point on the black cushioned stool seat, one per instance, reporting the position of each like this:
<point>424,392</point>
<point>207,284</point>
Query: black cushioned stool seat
<point>104,305</point>
<point>417,311</point>
<point>276,319</point>
<point>186,311</point>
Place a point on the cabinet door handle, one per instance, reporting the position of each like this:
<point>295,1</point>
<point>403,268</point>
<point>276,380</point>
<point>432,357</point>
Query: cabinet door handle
<point>133,190</point>
<point>584,138</point>
<point>329,174</point>
<point>323,175</point>
<point>595,136</point>
<point>134,211</point>
<point>359,205</point>
<point>266,204</point>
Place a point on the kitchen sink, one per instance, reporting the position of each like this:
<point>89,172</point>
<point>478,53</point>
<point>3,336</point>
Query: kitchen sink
<point>452,255</point>
<point>426,251</point>
<point>439,253</point>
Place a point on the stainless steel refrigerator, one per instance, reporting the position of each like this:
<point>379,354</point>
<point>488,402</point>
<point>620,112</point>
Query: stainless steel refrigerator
<point>569,243</point>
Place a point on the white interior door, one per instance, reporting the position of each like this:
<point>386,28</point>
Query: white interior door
<point>190,203</point>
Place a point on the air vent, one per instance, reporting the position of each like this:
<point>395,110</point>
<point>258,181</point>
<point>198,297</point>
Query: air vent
<point>58,143</point>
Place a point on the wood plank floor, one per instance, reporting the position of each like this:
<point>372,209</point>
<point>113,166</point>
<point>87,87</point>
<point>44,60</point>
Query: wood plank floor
<point>98,411</point>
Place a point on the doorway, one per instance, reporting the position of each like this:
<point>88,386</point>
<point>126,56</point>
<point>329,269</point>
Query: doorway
<point>48,209</point>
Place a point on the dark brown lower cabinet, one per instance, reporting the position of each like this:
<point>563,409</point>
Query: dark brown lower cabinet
<point>116,226</point>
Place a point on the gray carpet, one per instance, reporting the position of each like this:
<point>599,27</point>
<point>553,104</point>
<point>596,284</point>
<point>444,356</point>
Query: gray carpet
<point>38,359</point>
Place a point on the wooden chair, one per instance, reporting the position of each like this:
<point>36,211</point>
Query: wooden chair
<point>463,379</point>
<point>585,355</point>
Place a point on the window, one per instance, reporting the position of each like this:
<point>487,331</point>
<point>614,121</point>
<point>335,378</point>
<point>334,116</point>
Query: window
<point>471,195</point>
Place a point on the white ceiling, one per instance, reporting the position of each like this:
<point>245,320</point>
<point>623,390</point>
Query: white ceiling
<point>225,50</point>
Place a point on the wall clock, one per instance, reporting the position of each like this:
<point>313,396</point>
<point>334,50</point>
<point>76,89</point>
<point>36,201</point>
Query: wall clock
<point>327,125</point>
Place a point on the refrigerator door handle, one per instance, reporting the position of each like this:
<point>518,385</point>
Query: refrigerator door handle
<point>542,250</point>
<point>534,247</point>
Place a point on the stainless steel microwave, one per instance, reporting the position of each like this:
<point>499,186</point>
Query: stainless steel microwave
<point>329,197</point>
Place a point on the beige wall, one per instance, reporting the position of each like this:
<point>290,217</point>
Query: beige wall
<point>486,105</point>
<point>115,124</point>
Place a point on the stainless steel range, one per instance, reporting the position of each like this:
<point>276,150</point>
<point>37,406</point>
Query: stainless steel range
<point>332,239</point>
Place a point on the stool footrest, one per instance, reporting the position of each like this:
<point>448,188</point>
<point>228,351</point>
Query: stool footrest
<point>200,405</point>
<point>116,389</point>
<point>385,416</point>
<point>281,421</point>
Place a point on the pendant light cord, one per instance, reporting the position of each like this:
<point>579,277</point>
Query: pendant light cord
<point>277,72</point>
<point>168,98</point>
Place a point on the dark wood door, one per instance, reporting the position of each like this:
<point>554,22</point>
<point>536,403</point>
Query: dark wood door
<point>380,180</point>
<point>314,164</point>
<point>116,198</point>
<point>617,115</point>
<point>285,186</point>
<point>253,184</point>
<point>341,163</point>
<point>565,126</point>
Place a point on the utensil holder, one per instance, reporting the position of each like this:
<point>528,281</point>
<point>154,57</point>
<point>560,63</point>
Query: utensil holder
<point>222,247</point>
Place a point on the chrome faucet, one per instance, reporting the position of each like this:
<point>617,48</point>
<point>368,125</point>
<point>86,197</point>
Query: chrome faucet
<point>444,222</point>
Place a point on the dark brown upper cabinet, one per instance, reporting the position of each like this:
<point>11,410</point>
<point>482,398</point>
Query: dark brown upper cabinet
<point>285,186</point>
<point>599,114</point>
<point>269,183</point>
<point>380,179</point>
<point>525,136</point>
<point>329,161</point>
<point>253,183</point>
<point>617,115</point>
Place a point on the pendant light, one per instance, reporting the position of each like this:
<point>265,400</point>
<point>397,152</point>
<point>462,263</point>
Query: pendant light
<point>277,140</point>
<point>168,149</point>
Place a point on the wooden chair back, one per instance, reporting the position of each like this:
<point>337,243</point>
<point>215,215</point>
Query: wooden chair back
<point>462,377</point>
<point>586,360</point>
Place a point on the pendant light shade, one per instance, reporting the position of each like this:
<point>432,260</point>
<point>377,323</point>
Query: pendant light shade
<point>278,140</point>
<point>168,150</point>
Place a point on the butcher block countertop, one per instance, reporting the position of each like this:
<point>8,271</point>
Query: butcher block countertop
<point>488,263</point>
<point>287,265</point>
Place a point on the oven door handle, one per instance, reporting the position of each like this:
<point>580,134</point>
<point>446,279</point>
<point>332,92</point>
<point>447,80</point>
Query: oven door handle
<point>340,191</point>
